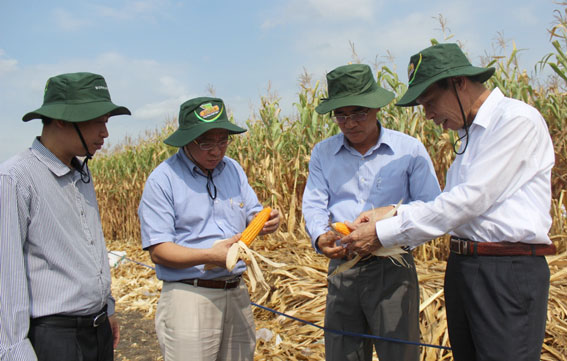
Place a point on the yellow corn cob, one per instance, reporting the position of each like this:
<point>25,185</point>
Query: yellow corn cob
<point>341,228</point>
<point>255,226</point>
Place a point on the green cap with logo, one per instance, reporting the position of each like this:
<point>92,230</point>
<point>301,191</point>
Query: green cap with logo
<point>353,85</point>
<point>76,97</point>
<point>438,62</point>
<point>199,115</point>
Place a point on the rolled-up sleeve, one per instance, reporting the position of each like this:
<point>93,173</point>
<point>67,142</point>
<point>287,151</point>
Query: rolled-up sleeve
<point>14,298</point>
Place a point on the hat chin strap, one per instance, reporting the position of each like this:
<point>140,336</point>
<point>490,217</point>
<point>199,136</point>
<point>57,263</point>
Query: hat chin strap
<point>211,187</point>
<point>465,125</point>
<point>83,168</point>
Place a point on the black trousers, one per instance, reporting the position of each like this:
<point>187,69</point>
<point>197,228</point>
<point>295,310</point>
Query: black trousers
<point>496,307</point>
<point>53,343</point>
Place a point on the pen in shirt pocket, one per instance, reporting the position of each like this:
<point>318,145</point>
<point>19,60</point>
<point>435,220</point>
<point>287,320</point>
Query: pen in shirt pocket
<point>378,182</point>
<point>232,203</point>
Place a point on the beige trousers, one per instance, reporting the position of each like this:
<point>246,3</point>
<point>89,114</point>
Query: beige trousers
<point>196,323</point>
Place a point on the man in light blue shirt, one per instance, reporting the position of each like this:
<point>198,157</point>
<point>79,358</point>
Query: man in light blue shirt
<point>363,167</point>
<point>192,200</point>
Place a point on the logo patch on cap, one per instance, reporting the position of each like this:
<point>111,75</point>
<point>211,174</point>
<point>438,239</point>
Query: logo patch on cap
<point>209,112</point>
<point>412,70</point>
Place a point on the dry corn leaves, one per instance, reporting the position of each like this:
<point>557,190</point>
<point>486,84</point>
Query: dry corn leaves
<point>299,289</point>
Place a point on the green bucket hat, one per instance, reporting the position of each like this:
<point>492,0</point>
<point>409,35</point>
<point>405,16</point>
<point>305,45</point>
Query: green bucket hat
<point>76,97</point>
<point>353,85</point>
<point>197,116</point>
<point>435,63</point>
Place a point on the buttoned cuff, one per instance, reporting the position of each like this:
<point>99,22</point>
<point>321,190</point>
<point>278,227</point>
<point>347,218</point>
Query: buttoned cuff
<point>314,243</point>
<point>22,351</point>
<point>388,232</point>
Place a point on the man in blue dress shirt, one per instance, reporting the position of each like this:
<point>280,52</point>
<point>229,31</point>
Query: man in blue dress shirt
<point>190,201</point>
<point>55,301</point>
<point>363,167</point>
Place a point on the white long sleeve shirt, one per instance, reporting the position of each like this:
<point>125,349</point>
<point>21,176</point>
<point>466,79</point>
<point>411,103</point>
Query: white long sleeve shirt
<point>498,190</point>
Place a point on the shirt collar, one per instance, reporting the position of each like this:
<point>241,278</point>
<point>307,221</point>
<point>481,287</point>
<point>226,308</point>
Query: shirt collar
<point>383,139</point>
<point>194,168</point>
<point>483,117</point>
<point>44,155</point>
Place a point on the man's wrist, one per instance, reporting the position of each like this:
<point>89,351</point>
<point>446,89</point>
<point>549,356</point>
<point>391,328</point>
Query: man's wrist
<point>377,242</point>
<point>316,245</point>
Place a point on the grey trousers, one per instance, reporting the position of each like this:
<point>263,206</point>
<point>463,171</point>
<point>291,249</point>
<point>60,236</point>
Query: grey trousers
<point>375,297</point>
<point>496,307</point>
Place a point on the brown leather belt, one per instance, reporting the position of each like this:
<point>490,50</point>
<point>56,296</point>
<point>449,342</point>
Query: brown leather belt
<point>467,247</point>
<point>225,285</point>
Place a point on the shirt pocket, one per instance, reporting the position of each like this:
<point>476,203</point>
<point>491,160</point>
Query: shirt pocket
<point>232,212</point>
<point>389,188</point>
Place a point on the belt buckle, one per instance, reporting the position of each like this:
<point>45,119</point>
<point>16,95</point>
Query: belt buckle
<point>230,282</point>
<point>99,319</point>
<point>463,249</point>
<point>461,244</point>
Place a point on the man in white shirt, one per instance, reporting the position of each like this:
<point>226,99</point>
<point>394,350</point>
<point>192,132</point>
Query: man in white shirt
<point>495,206</point>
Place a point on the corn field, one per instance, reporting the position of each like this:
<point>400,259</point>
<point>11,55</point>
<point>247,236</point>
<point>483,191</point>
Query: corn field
<point>275,154</point>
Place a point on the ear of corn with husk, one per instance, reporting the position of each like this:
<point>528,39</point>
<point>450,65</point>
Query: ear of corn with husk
<point>240,250</point>
<point>394,253</point>
<point>248,235</point>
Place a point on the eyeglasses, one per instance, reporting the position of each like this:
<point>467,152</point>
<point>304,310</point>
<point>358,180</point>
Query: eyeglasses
<point>356,117</point>
<point>207,146</point>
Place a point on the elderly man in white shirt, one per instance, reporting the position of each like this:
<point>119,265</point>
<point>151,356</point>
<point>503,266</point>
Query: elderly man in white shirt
<point>495,206</point>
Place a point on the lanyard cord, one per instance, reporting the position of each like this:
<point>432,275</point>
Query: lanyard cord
<point>83,168</point>
<point>212,191</point>
<point>210,181</point>
<point>466,126</point>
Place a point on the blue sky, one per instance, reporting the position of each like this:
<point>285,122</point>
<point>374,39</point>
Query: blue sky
<point>155,54</point>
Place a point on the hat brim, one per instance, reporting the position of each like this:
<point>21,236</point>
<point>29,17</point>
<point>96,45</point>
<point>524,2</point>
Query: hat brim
<point>415,90</point>
<point>76,113</point>
<point>183,136</point>
<point>375,99</point>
